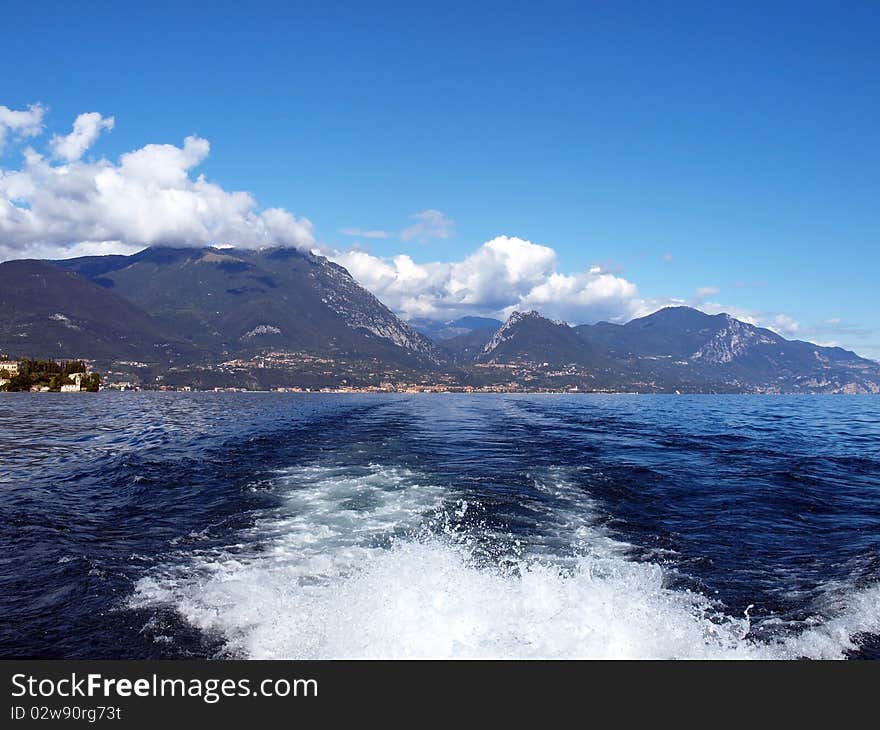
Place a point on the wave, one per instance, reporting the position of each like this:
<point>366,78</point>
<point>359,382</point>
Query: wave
<point>379,562</point>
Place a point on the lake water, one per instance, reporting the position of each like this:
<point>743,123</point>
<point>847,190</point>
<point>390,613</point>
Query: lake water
<point>310,526</point>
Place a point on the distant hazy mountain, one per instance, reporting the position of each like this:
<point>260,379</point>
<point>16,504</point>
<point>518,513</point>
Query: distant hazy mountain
<point>462,350</point>
<point>223,303</point>
<point>446,330</point>
<point>679,340</point>
<point>460,340</point>
<point>679,346</point>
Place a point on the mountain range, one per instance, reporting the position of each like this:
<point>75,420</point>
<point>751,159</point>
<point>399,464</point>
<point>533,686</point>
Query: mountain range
<point>201,304</point>
<point>683,348</point>
<point>179,312</point>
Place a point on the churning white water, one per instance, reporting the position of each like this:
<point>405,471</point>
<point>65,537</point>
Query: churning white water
<point>364,563</point>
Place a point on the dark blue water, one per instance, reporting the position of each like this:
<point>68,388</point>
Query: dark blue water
<point>285,525</point>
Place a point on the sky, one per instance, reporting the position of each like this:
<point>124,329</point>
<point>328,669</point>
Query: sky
<point>589,160</point>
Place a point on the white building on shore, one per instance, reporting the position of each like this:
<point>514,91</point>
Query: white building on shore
<point>76,386</point>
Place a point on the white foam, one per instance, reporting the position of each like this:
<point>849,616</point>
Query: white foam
<point>853,613</point>
<point>347,569</point>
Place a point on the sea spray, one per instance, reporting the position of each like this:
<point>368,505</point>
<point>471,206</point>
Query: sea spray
<point>370,563</point>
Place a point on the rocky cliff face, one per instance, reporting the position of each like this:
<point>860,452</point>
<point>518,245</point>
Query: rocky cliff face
<point>735,339</point>
<point>673,348</point>
<point>680,344</point>
<point>508,331</point>
<point>361,310</point>
<point>530,337</point>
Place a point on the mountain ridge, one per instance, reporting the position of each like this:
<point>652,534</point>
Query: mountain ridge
<point>678,346</point>
<point>50,312</point>
<point>229,301</point>
<point>283,314</point>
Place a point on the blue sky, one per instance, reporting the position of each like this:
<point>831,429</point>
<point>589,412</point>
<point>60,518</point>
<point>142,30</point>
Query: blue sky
<point>675,147</point>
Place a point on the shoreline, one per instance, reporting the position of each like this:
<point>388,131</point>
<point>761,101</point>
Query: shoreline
<point>227,391</point>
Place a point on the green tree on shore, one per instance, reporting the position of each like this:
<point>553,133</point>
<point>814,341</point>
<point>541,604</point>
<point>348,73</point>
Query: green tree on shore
<point>49,374</point>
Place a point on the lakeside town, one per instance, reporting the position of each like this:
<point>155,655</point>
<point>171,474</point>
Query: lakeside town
<point>286,372</point>
<point>283,371</point>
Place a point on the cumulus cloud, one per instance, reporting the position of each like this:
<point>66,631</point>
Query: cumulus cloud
<point>509,273</point>
<point>428,224</point>
<point>780,323</point>
<point>503,274</point>
<point>86,129</point>
<point>149,196</point>
<point>741,313</point>
<point>20,124</point>
<point>784,325</point>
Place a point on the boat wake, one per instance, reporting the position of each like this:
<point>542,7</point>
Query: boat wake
<point>379,562</point>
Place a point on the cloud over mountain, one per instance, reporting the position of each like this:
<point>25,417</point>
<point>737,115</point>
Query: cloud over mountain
<point>503,274</point>
<point>65,202</point>
<point>67,205</point>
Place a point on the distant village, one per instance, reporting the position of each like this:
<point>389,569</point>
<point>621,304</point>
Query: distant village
<point>285,372</point>
<point>304,372</point>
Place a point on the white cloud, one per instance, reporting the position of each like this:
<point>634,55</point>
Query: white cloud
<point>83,248</point>
<point>741,313</point>
<point>784,325</point>
<point>704,292</point>
<point>21,123</point>
<point>361,233</point>
<point>503,274</point>
<point>429,224</point>
<point>780,323</point>
<point>508,273</point>
<point>584,298</point>
<point>150,196</point>
<point>86,129</point>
